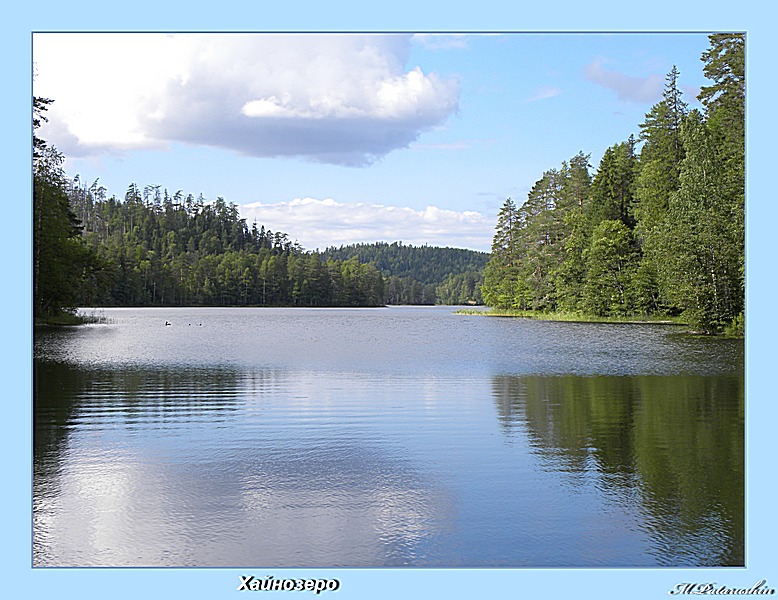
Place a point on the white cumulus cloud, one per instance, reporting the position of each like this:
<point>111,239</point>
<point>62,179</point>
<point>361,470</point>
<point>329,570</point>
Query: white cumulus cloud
<point>343,99</point>
<point>316,223</point>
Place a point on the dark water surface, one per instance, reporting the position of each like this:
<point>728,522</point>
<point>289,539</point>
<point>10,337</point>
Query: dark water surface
<point>384,437</point>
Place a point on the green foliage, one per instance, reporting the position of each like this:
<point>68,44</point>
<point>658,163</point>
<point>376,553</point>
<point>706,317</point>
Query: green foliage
<point>611,263</point>
<point>157,249</point>
<point>701,239</point>
<point>63,265</point>
<point>161,250</point>
<point>420,274</point>
<point>737,327</point>
<point>724,102</point>
<point>612,190</point>
<point>526,269</point>
<point>571,274</point>
<point>655,233</point>
<point>462,288</point>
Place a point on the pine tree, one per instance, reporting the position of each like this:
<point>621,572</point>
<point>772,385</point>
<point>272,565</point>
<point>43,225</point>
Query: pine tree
<point>501,272</point>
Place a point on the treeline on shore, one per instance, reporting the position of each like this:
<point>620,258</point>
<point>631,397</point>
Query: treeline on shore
<point>153,248</point>
<point>657,230</point>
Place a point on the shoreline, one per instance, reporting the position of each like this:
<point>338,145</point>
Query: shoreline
<point>577,318</point>
<point>571,318</point>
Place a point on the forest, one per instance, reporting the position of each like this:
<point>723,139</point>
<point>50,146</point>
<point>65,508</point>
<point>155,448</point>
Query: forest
<point>154,248</point>
<point>658,229</point>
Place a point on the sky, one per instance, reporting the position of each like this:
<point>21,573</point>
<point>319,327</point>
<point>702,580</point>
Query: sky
<point>346,138</point>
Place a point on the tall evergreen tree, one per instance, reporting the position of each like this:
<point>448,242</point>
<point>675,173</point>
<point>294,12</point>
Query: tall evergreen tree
<point>576,189</point>
<point>725,105</point>
<point>724,102</point>
<point>63,267</point>
<point>505,241</point>
<point>543,236</point>
<point>661,155</point>
<point>613,186</point>
<point>39,107</point>
<point>658,178</point>
<point>501,274</point>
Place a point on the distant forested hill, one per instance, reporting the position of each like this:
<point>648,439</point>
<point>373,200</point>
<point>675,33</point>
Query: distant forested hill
<point>158,249</point>
<point>426,264</point>
<point>154,248</point>
<point>421,274</point>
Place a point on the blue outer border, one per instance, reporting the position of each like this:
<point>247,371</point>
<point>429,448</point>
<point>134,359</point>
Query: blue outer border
<point>143,15</point>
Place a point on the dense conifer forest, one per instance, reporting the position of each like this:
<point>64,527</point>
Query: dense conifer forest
<point>421,274</point>
<point>658,229</point>
<point>154,248</point>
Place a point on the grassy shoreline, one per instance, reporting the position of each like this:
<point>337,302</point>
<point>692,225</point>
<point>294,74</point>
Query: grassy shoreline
<point>562,317</point>
<point>572,317</point>
<point>68,319</point>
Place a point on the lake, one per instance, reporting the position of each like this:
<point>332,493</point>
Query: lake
<point>399,436</point>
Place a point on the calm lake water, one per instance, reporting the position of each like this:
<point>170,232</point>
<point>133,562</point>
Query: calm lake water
<point>404,436</point>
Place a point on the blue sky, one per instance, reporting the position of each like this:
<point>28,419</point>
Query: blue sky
<point>348,138</point>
